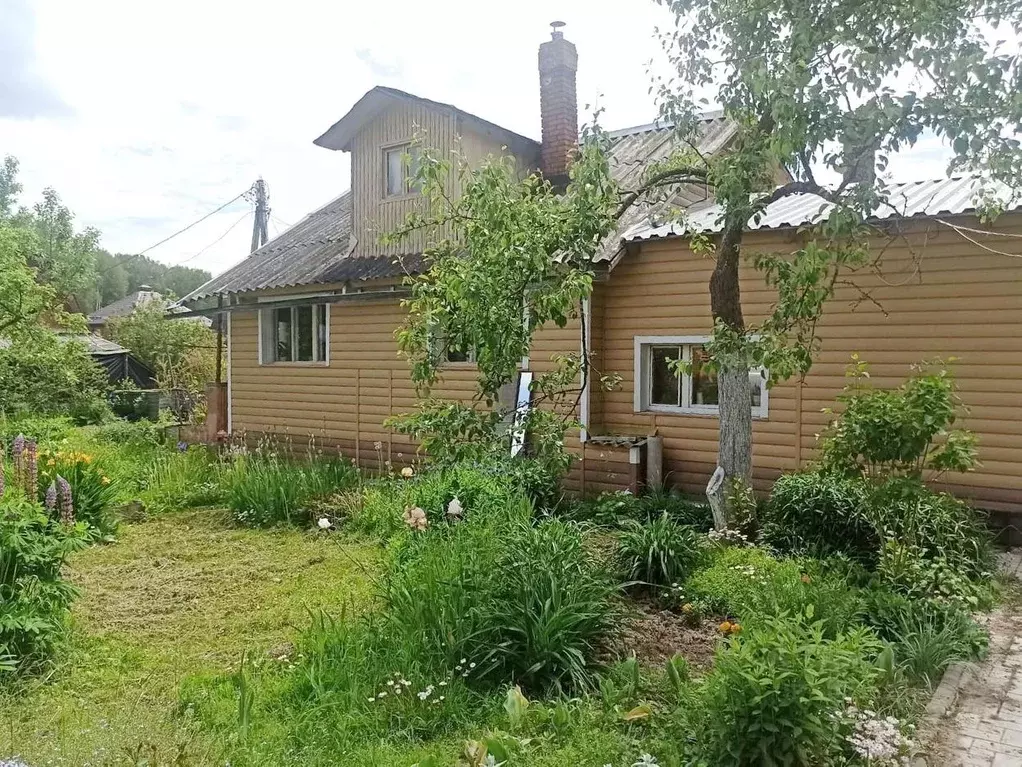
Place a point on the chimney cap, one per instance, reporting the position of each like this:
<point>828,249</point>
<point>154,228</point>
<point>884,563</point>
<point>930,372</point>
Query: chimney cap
<point>556,26</point>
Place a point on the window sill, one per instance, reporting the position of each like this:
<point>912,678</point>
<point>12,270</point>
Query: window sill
<point>403,197</point>
<point>685,411</point>
<point>295,364</point>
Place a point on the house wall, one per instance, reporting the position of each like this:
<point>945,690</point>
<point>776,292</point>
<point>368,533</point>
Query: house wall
<point>940,295</point>
<point>372,212</point>
<point>937,295</point>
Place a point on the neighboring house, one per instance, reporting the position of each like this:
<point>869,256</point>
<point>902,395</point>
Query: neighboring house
<point>122,307</point>
<point>312,314</point>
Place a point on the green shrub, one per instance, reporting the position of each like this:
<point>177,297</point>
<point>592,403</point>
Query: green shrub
<point>660,552</point>
<point>773,692</point>
<point>750,585</point>
<point>92,490</point>
<point>34,599</point>
<point>45,375</point>
<point>270,490</point>
<point>926,634</point>
<point>908,570</point>
<point>613,509</point>
<point>898,432</point>
<point>553,611</point>
<point>942,526</point>
<point>820,514</point>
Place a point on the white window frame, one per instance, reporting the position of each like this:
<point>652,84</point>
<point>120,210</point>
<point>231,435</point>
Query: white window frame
<point>643,380</point>
<point>407,170</point>
<point>266,325</point>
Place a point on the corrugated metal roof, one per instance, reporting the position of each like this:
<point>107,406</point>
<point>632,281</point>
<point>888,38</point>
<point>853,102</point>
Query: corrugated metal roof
<point>634,150</point>
<point>917,199</point>
<point>299,256</point>
<point>317,250</point>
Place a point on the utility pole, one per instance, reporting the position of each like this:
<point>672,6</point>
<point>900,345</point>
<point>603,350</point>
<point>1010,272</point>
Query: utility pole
<point>260,236</point>
<point>260,225</point>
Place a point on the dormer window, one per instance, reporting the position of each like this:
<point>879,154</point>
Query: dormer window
<point>401,163</point>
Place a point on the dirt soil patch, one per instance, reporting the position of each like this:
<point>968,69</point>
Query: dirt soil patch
<point>656,635</point>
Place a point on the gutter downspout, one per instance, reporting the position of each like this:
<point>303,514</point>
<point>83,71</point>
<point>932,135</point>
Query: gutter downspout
<point>587,336</point>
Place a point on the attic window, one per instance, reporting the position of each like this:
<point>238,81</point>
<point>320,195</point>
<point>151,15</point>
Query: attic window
<point>400,164</point>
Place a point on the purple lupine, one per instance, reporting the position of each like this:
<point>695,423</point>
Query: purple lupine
<point>31,472</point>
<point>51,497</point>
<point>1,469</point>
<point>17,448</point>
<point>67,508</point>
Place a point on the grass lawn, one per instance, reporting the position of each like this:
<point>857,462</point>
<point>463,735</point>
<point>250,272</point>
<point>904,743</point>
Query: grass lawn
<point>181,594</point>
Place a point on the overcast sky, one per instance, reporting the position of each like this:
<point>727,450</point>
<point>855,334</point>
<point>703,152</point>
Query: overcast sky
<point>146,116</point>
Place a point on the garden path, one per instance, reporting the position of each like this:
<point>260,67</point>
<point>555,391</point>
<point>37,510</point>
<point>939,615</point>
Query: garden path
<point>984,725</point>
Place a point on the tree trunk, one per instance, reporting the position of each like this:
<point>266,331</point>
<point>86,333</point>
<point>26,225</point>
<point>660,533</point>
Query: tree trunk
<point>734,390</point>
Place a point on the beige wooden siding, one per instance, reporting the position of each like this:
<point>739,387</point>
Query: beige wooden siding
<point>373,213</point>
<point>940,296</point>
<point>343,405</point>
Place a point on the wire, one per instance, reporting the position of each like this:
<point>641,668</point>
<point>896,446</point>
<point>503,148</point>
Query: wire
<point>179,231</point>
<point>280,221</point>
<point>218,239</point>
<point>961,233</point>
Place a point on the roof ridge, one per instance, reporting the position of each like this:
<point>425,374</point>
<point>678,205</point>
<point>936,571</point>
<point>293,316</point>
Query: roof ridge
<point>656,125</point>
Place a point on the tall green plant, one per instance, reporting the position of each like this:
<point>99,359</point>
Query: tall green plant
<point>34,597</point>
<point>904,431</point>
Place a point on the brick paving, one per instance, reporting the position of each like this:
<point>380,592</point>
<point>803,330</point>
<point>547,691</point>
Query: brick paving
<point>981,705</point>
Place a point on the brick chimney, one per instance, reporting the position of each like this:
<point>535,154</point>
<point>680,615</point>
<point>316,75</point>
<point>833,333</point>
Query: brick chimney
<point>558,101</point>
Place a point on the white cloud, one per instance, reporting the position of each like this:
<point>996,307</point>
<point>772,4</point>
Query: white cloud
<point>176,108</point>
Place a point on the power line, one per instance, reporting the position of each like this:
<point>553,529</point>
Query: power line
<point>175,234</point>
<point>218,239</point>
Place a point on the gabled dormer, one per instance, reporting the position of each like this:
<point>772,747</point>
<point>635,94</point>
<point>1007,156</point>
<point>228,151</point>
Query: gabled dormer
<point>380,131</point>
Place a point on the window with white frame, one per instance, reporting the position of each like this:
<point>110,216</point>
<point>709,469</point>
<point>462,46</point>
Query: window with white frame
<point>660,387</point>
<point>400,164</point>
<point>294,334</point>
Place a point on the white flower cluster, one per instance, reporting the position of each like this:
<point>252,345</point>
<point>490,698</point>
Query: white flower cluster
<point>395,686</point>
<point>878,739</point>
<point>14,761</point>
<point>728,535</point>
<point>464,668</point>
<point>398,686</point>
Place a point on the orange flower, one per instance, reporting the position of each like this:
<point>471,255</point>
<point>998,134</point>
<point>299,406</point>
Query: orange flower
<point>735,628</point>
<point>725,627</point>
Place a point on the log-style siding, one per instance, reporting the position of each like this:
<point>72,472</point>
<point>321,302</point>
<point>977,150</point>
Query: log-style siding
<point>938,295</point>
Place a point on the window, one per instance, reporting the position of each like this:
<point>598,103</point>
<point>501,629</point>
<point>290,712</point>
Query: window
<point>659,388</point>
<point>400,166</point>
<point>293,334</point>
<point>444,349</point>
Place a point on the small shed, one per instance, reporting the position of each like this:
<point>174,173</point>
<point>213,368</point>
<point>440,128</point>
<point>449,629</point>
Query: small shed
<point>119,363</point>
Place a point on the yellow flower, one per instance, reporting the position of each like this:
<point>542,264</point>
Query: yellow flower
<point>51,462</point>
<point>725,627</point>
<point>407,472</point>
<point>105,480</point>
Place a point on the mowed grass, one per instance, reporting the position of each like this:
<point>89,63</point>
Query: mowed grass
<point>178,595</point>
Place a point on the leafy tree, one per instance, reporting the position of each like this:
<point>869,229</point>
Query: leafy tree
<point>182,352</point>
<point>23,301</point>
<point>505,257</point>
<point>64,259</point>
<point>823,84</point>
<point>9,187</point>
